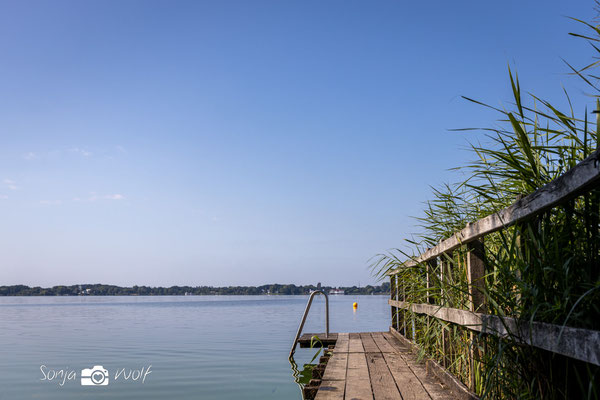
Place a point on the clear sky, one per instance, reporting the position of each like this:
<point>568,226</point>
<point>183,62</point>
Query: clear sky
<point>247,142</point>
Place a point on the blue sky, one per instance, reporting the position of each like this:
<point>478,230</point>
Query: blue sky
<point>247,142</point>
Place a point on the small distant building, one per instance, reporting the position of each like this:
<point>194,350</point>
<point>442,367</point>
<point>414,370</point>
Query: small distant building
<point>84,292</point>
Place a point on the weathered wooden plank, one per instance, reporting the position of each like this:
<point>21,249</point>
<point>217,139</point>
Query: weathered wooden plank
<point>355,344</point>
<point>415,367</point>
<point>336,367</point>
<point>399,348</point>
<point>382,343</point>
<point>382,381</point>
<point>577,343</point>
<point>571,183</point>
<point>380,375</point>
<point>444,385</point>
<point>432,386</point>
<point>410,386</point>
<point>341,346</point>
<point>331,390</point>
<point>305,339</point>
<point>358,383</point>
<point>368,343</point>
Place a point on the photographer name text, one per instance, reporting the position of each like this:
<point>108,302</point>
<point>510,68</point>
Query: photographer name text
<point>94,376</point>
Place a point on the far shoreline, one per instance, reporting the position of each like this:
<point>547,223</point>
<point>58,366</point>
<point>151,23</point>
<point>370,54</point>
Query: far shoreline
<point>114,290</point>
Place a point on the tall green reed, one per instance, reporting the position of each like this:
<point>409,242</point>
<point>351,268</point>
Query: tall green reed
<point>544,269</point>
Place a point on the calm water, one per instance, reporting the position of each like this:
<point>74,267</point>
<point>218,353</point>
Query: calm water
<point>198,347</point>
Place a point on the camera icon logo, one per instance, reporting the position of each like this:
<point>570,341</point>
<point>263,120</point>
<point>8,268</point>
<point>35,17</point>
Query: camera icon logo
<point>95,376</point>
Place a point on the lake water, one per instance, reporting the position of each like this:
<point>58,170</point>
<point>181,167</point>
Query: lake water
<point>197,347</point>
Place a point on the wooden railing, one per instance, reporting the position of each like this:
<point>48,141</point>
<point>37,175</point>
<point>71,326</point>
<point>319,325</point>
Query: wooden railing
<point>580,344</point>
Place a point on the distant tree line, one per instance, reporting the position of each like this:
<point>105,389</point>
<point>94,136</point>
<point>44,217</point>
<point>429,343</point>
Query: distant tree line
<point>112,290</point>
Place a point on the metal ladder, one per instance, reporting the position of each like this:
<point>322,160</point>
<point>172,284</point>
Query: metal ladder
<point>306,310</point>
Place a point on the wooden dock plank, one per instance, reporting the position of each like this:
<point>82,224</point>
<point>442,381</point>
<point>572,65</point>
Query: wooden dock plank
<point>382,342</point>
<point>355,344</point>
<point>368,343</point>
<point>305,339</point>
<point>358,382</point>
<point>432,386</point>
<point>410,386</point>
<point>331,390</point>
<point>377,366</point>
<point>336,367</point>
<point>382,381</point>
<point>395,343</point>
<point>342,343</point>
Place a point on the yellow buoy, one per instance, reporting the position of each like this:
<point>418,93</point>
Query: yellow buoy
<point>355,305</point>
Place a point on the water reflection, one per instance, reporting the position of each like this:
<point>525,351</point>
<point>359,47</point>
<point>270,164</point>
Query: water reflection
<point>301,377</point>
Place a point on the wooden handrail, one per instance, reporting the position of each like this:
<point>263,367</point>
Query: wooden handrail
<point>572,183</point>
<point>577,343</point>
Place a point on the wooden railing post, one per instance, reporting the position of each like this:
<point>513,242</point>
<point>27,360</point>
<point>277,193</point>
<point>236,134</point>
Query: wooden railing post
<point>397,298</point>
<point>476,275</point>
<point>412,315</point>
<point>430,267</point>
<point>429,271</point>
<point>444,270</point>
<point>394,296</point>
<point>403,311</point>
<point>476,285</point>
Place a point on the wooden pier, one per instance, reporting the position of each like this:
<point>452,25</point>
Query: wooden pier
<point>379,366</point>
<point>446,291</point>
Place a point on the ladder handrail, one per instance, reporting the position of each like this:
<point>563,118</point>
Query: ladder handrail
<point>306,310</point>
